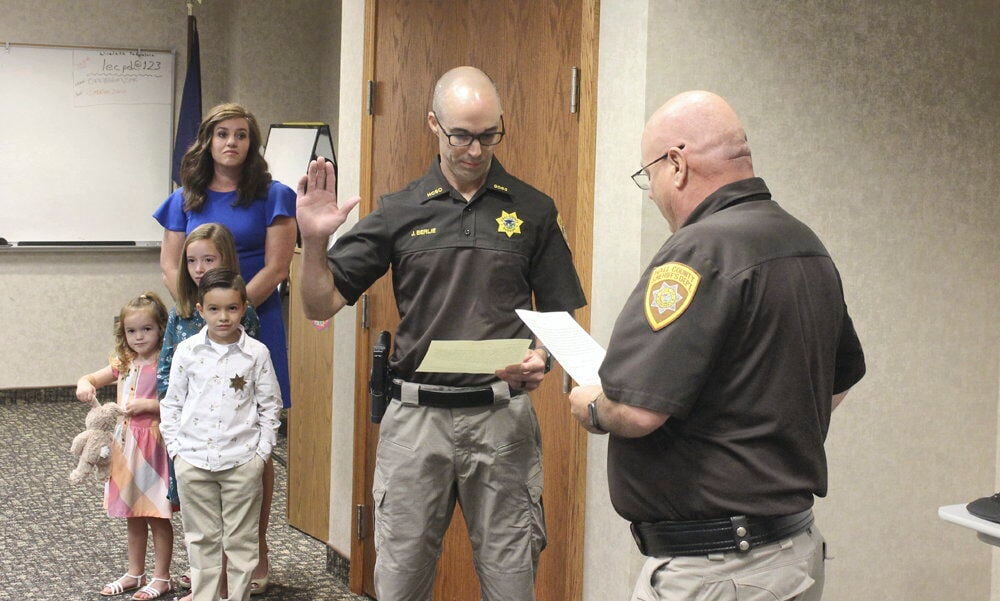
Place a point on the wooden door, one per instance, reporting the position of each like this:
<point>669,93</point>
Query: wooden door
<point>310,351</point>
<point>529,49</point>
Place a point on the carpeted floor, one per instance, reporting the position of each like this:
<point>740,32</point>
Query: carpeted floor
<point>56,541</point>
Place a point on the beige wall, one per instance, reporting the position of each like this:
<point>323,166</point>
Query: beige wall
<point>56,309</point>
<point>609,557</point>
<point>348,184</point>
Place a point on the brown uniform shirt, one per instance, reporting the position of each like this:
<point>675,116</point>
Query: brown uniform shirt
<point>739,331</point>
<point>459,270</point>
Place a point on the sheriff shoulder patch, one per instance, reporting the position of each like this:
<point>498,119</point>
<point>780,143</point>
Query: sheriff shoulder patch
<point>669,293</point>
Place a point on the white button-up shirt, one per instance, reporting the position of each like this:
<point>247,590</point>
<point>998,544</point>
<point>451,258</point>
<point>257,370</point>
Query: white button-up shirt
<point>222,403</point>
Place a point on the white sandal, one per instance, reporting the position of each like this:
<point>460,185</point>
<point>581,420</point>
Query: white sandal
<point>117,588</point>
<point>150,591</point>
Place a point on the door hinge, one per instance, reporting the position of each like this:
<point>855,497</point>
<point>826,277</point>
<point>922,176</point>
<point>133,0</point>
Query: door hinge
<point>359,518</point>
<point>365,323</point>
<point>574,90</point>
<point>370,100</point>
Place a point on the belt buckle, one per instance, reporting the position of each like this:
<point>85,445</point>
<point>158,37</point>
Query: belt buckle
<point>637,537</point>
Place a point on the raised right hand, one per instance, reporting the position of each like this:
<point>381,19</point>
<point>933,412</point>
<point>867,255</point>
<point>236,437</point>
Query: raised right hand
<point>316,208</point>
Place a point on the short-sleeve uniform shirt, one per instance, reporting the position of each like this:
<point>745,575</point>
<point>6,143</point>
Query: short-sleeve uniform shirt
<point>459,269</point>
<point>739,331</point>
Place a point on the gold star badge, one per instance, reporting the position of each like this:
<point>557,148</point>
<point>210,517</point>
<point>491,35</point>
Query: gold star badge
<point>237,382</point>
<point>509,223</point>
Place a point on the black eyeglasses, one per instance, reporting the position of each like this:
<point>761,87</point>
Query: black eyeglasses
<point>641,177</point>
<point>489,138</point>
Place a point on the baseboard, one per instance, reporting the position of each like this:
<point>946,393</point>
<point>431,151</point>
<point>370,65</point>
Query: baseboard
<point>338,565</point>
<point>50,394</point>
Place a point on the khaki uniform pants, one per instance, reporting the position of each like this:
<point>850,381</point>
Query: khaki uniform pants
<point>488,459</point>
<point>221,512</point>
<point>787,570</point>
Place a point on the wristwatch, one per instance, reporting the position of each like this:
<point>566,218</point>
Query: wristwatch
<point>548,359</point>
<point>594,422</point>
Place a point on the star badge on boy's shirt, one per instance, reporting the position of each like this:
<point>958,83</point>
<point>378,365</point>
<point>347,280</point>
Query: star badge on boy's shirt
<point>237,382</point>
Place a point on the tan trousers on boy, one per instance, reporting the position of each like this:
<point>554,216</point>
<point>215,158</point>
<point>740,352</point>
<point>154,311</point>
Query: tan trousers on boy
<point>220,511</point>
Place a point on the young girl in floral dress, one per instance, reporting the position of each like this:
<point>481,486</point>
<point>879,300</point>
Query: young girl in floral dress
<point>137,487</point>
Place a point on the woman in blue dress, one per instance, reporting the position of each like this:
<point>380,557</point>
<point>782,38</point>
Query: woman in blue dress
<point>225,180</point>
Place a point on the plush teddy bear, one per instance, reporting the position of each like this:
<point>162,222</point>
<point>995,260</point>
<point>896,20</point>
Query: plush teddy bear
<point>93,445</point>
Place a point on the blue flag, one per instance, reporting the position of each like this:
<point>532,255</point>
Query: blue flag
<point>190,116</point>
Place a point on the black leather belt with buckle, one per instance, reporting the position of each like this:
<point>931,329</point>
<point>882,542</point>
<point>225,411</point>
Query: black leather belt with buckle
<point>740,533</point>
<point>454,399</point>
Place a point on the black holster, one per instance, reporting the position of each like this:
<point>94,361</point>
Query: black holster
<point>380,379</point>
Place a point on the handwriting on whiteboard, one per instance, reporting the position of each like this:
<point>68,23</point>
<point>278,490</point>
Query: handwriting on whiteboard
<point>118,77</point>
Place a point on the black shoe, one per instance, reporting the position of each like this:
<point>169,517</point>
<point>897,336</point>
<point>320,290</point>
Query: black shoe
<point>987,508</point>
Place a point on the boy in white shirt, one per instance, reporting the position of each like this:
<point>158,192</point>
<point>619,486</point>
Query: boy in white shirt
<point>219,420</point>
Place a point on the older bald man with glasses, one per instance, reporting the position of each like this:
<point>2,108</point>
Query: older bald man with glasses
<point>721,374</point>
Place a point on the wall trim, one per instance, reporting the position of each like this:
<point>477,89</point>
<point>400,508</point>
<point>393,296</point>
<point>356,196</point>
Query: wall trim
<point>51,394</point>
<point>338,565</point>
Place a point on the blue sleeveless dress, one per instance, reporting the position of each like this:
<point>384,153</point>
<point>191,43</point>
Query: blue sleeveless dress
<point>249,227</point>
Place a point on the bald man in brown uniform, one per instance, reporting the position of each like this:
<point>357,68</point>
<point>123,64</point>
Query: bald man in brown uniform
<point>721,375</point>
<point>468,244</point>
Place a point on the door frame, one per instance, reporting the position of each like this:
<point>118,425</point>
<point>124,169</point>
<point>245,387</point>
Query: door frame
<point>362,542</point>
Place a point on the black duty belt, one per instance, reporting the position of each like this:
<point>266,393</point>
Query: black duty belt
<point>463,397</point>
<point>740,533</point>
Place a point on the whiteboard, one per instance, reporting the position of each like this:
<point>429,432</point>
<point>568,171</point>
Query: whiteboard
<point>85,143</point>
<point>290,147</point>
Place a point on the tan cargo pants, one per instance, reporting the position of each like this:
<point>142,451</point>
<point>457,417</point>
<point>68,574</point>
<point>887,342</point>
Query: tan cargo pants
<point>787,570</point>
<point>489,459</point>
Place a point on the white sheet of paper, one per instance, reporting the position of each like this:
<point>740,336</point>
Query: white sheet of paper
<point>578,353</point>
<point>473,356</point>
